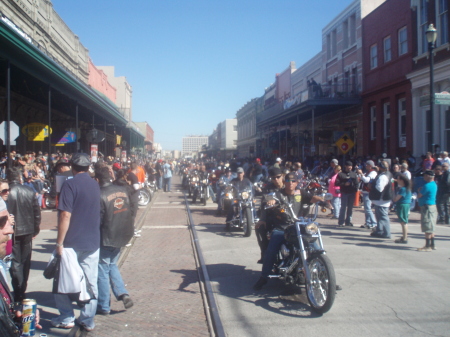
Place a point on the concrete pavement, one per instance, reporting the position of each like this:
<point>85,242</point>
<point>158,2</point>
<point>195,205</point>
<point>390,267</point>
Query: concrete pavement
<point>159,271</point>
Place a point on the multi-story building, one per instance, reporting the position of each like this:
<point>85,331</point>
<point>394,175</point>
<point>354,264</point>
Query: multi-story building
<point>149,134</point>
<point>325,100</point>
<point>387,59</point>
<point>124,91</point>
<point>193,144</point>
<point>246,127</point>
<point>42,26</point>
<point>430,129</point>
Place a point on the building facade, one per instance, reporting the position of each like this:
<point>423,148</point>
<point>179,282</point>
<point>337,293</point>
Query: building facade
<point>42,25</point>
<point>246,127</point>
<point>387,59</point>
<point>431,131</point>
<point>193,144</point>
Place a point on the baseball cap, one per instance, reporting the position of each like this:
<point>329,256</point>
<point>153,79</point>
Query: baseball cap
<point>240,170</point>
<point>291,176</point>
<point>278,159</point>
<point>348,163</point>
<point>429,173</point>
<point>335,161</point>
<point>274,171</point>
<point>370,163</point>
<point>81,159</point>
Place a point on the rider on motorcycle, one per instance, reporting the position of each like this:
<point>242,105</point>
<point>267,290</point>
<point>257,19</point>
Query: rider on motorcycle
<point>277,221</point>
<point>226,178</point>
<point>240,183</point>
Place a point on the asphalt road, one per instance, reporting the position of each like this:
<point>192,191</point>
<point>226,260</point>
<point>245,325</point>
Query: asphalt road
<point>388,289</point>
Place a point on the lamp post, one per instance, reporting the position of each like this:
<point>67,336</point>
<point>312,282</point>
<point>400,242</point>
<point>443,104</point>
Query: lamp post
<point>431,34</point>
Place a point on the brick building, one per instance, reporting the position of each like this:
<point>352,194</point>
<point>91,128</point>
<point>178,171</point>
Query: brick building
<point>387,59</point>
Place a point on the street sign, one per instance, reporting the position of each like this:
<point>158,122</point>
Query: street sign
<point>13,132</point>
<point>36,132</point>
<point>442,98</point>
<point>345,144</point>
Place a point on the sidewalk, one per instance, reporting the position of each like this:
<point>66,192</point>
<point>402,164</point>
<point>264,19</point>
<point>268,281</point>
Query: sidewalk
<point>159,271</point>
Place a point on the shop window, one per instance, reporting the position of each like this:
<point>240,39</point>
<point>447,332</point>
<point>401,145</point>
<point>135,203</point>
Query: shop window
<point>373,122</point>
<point>402,122</point>
<point>387,120</point>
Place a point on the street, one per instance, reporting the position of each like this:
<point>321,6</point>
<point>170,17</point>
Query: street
<point>388,289</point>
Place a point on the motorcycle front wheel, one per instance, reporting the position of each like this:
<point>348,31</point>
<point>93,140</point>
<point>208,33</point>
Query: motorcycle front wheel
<point>321,289</point>
<point>247,222</point>
<point>50,202</point>
<point>144,197</point>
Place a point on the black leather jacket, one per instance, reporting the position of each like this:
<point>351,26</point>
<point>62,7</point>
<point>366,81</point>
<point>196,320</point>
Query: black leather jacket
<point>116,226</point>
<point>22,202</point>
<point>7,326</point>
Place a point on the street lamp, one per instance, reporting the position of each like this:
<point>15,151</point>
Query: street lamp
<point>431,34</point>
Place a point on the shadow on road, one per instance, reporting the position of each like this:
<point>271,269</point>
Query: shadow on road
<point>236,282</point>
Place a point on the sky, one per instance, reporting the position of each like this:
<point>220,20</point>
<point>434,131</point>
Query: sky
<point>194,63</point>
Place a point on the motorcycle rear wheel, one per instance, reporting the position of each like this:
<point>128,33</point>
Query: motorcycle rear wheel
<point>144,197</point>
<point>247,222</point>
<point>321,289</point>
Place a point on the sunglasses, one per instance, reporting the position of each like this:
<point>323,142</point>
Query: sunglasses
<point>291,181</point>
<point>3,220</point>
<point>5,190</point>
<point>275,177</point>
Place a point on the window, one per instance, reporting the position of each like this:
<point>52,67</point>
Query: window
<point>447,128</point>
<point>402,122</point>
<point>443,22</point>
<point>234,127</point>
<point>353,29</point>
<point>387,120</point>
<point>387,49</point>
<point>333,43</point>
<point>428,129</point>
<point>423,26</point>
<point>373,122</point>
<point>373,57</point>
<point>328,46</point>
<point>345,34</point>
<point>402,41</point>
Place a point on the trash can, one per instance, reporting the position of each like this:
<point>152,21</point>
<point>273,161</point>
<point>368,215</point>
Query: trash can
<point>356,203</point>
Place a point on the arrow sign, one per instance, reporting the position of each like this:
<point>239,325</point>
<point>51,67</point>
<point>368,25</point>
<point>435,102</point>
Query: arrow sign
<point>13,132</point>
<point>345,144</point>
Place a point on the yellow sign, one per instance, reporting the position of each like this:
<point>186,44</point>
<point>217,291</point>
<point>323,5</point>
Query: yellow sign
<point>36,132</point>
<point>345,144</point>
<point>118,140</point>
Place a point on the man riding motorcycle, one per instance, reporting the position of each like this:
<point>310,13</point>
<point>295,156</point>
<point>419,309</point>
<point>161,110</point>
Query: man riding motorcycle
<point>273,220</point>
<point>225,178</point>
<point>240,183</point>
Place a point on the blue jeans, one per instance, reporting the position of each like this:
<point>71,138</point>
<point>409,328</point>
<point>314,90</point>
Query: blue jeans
<point>211,193</point>
<point>270,256</point>
<point>159,182</point>
<point>370,217</point>
<point>347,201</point>
<point>257,178</point>
<point>383,225</point>
<point>108,273</point>
<point>336,203</point>
<point>88,261</point>
<point>167,183</point>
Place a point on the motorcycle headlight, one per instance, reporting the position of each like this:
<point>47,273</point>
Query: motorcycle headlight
<point>311,229</point>
<point>245,195</point>
<point>205,181</point>
<point>229,196</point>
<point>195,179</point>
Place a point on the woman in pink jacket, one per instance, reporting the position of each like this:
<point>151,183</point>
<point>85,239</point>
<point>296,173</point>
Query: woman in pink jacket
<point>336,192</point>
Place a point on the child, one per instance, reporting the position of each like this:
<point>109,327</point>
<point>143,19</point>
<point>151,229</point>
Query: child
<point>403,202</point>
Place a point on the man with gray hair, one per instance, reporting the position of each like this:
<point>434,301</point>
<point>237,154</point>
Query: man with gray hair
<point>381,195</point>
<point>404,170</point>
<point>444,158</point>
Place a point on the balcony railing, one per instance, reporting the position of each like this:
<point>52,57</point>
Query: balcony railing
<point>331,94</point>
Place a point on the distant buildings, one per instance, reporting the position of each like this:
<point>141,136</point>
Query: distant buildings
<point>193,144</point>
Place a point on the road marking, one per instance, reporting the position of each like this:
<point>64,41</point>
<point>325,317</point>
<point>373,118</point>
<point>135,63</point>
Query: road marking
<point>169,202</point>
<point>181,207</point>
<point>164,227</point>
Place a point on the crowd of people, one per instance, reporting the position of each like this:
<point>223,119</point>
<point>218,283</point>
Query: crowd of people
<point>97,205</point>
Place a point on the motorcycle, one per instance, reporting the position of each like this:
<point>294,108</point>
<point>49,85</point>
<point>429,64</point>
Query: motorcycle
<point>243,209</point>
<point>49,195</point>
<point>200,191</point>
<point>302,260</point>
<point>146,193</point>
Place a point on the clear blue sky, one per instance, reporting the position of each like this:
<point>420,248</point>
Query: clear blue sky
<point>195,63</point>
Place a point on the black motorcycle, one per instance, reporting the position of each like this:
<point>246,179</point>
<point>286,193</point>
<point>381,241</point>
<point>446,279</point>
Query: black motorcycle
<point>200,191</point>
<point>302,260</point>
<point>243,208</point>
